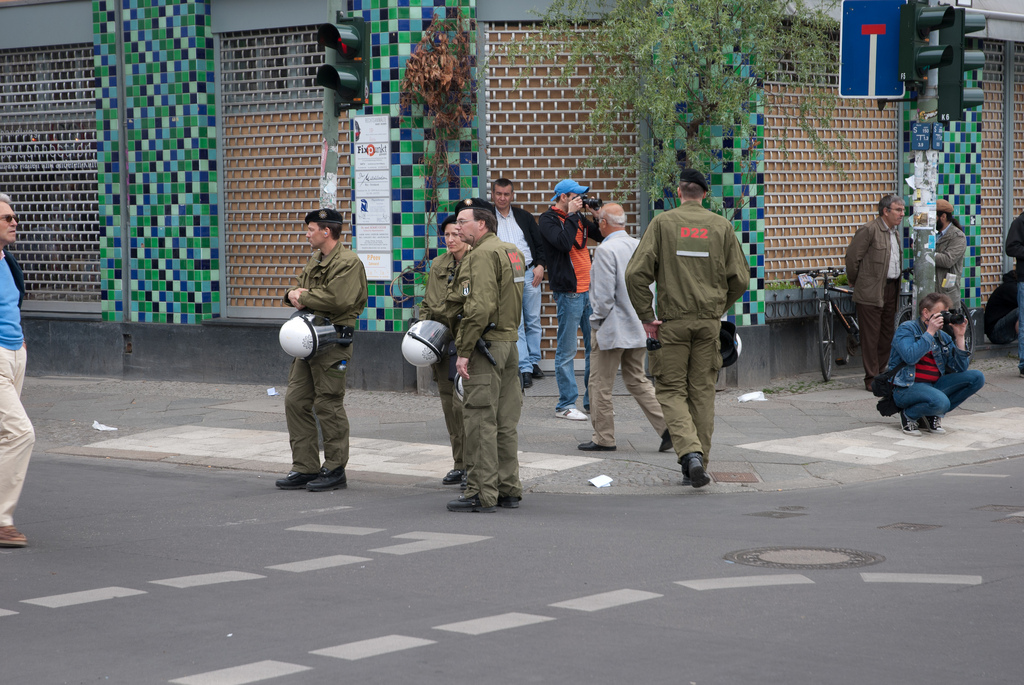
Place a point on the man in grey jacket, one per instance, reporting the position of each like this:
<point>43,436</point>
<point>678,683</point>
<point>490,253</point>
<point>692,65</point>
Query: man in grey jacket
<point>617,336</point>
<point>950,248</point>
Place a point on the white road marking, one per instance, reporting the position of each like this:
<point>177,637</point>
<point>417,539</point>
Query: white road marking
<point>977,475</point>
<point>429,541</point>
<point>84,597</point>
<point>374,647</point>
<point>7,612</point>
<point>325,509</point>
<point>920,578</point>
<point>207,579</point>
<point>479,626</point>
<point>240,675</point>
<point>336,530</point>
<point>317,564</point>
<point>746,581</point>
<point>606,600</point>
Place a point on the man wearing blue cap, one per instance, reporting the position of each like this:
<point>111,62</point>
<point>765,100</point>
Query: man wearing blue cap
<point>565,231</point>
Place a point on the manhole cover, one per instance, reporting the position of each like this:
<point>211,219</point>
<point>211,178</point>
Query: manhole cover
<point>776,514</point>
<point>912,527</point>
<point>1011,519</point>
<point>804,557</point>
<point>791,507</point>
<point>1008,508</point>
<point>733,477</point>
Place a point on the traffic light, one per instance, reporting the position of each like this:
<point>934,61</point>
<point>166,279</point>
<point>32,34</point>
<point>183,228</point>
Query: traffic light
<point>346,71</point>
<point>917,20</point>
<point>954,98</point>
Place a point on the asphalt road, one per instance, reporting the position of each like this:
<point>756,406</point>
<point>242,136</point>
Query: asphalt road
<point>388,587</point>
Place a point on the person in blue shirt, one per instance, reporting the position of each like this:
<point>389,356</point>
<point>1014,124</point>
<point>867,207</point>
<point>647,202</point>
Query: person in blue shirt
<point>16,433</point>
<point>934,379</point>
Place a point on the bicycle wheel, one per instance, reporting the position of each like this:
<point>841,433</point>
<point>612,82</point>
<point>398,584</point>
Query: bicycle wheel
<point>826,338</point>
<point>904,315</point>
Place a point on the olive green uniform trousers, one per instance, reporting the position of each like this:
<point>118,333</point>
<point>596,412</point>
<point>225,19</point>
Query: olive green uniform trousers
<point>452,412</point>
<point>490,413</point>
<point>685,373</point>
<point>318,384</point>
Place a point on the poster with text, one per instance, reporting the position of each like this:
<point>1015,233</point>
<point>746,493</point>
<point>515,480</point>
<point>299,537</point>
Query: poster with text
<point>377,265</point>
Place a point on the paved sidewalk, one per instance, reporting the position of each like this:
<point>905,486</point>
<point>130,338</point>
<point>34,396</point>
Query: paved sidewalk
<point>806,434</point>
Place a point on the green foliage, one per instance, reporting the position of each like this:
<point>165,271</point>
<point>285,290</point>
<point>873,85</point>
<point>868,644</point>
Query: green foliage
<point>675,74</point>
<point>841,279</point>
<point>779,285</point>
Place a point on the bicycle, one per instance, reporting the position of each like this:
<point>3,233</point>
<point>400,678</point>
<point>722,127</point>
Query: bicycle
<point>828,312</point>
<point>905,309</point>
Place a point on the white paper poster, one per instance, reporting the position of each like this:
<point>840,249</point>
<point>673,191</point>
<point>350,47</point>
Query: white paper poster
<point>373,210</point>
<point>371,129</point>
<point>370,238</point>
<point>373,156</point>
<point>374,183</point>
<point>377,265</point>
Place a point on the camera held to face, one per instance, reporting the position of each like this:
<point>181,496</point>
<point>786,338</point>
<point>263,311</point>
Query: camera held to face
<point>592,202</point>
<point>952,318</point>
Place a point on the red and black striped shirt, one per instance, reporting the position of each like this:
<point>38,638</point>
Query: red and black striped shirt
<point>926,370</point>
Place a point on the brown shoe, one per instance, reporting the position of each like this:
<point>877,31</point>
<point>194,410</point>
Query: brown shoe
<point>10,537</point>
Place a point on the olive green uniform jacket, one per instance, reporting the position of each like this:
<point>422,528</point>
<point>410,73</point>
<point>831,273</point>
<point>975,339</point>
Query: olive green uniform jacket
<point>488,288</point>
<point>336,289</point>
<point>698,264</point>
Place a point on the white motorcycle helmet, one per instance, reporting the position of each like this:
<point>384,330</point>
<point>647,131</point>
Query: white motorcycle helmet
<point>305,334</point>
<point>426,343</point>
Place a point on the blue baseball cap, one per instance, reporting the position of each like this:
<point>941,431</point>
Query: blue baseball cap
<point>569,186</point>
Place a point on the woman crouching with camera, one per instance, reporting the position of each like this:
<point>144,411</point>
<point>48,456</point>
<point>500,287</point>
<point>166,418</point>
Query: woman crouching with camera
<point>934,378</point>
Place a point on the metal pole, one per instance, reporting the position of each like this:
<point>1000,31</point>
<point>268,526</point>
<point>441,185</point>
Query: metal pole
<point>329,151</point>
<point>926,180</point>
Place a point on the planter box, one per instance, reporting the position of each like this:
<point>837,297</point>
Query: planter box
<point>800,303</point>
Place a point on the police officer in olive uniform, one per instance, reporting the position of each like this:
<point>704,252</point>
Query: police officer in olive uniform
<point>488,294</point>
<point>332,285</point>
<point>700,270</point>
<point>433,308</point>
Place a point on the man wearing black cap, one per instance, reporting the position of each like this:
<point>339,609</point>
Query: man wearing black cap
<point>332,285</point>
<point>701,272</point>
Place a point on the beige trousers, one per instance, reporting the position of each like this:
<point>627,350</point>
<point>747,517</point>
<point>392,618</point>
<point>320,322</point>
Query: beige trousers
<point>603,365</point>
<point>16,433</point>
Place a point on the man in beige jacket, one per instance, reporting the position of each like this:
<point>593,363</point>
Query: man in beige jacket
<point>874,260</point>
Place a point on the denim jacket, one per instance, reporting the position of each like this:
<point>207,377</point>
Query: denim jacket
<point>912,342</point>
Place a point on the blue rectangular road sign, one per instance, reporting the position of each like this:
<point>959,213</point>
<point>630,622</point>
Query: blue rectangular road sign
<point>869,45</point>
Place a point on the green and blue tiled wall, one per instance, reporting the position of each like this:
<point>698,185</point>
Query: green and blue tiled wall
<point>172,258</point>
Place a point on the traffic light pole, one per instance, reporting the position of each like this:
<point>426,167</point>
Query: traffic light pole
<point>926,182</point>
<point>329,151</point>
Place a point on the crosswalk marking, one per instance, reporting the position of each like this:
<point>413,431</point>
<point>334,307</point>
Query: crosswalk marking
<point>429,541</point>
<point>489,624</point>
<point>606,600</point>
<point>84,597</point>
<point>373,647</point>
<point>317,564</point>
<point>745,581</point>
<point>207,579</point>
<point>7,612</point>
<point>920,578</point>
<point>336,530</point>
<point>240,675</point>
<point>978,475</point>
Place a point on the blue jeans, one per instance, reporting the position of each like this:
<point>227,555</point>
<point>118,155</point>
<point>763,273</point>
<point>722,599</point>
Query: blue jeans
<point>573,310</point>
<point>529,325</point>
<point>1005,330</point>
<point>940,397</point>
<point>1020,334</point>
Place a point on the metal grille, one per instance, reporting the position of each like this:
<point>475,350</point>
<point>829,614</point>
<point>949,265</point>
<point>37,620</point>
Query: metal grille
<point>1018,132</point>
<point>990,235</point>
<point>530,141</point>
<point>48,167</point>
<point>272,114</point>
<point>811,211</point>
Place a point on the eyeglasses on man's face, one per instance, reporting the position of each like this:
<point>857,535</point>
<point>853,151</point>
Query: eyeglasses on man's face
<point>9,218</point>
<point>463,222</point>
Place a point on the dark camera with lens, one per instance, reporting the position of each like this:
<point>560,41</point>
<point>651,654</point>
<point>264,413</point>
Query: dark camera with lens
<point>592,202</point>
<point>952,318</point>
<point>653,344</point>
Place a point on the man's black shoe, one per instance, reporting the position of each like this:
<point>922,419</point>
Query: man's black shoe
<point>454,476</point>
<point>295,480</point>
<point>698,477</point>
<point>537,373</point>
<point>469,504</point>
<point>594,447</point>
<point>527,380</point>
<point>328,480</point>
<point>686,473</point>
<point>508,501</point>
<point>666,442</point>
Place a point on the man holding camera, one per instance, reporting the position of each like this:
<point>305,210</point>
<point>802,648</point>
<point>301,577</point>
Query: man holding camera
<point>565,231</point>
<point>701,271</point>
<point>332,285</point>
<point>934,378</point>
